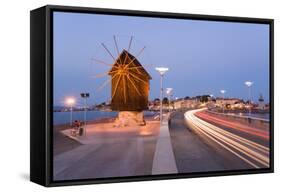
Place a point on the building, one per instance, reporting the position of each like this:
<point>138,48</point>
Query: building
<point>261,104</point>
<point>228,101</point>
<point>186,103</point>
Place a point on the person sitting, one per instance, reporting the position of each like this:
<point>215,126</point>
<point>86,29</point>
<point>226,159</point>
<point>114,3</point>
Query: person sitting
<point>75,127</point>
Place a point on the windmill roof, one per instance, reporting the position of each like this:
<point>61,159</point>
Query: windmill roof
<point>125,58</point>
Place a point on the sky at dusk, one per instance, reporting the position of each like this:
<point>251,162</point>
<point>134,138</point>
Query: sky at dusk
<point>203,57</point>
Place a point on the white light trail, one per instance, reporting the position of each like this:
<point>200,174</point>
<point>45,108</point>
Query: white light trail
<point>251,152</point>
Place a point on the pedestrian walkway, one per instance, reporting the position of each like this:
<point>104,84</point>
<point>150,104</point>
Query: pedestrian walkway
<point>164,159</point>
<point>109,151</point>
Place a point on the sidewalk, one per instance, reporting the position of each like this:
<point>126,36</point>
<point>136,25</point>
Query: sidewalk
<point>109,151</point>
<point>164,159</point>
<point>107,132</point>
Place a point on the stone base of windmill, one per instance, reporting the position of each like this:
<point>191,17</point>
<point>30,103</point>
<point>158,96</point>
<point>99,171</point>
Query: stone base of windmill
<point>130,118</point>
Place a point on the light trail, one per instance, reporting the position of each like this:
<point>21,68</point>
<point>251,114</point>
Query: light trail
<point>234,125</point>
<point>250,152</point>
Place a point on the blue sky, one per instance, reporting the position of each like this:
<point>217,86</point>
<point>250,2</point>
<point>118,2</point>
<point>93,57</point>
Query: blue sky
<point>203,56</point>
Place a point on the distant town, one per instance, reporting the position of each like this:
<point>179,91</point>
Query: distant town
<point>215,103</point>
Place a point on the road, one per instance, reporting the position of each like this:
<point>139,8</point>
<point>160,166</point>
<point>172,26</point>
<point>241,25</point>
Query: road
<point>247,143</point>
<point>201,146</point>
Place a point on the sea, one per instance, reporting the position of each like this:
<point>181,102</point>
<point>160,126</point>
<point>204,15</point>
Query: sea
<point>64,117</point>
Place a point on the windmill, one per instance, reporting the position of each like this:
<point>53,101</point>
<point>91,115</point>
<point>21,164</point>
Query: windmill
<point>129,85</point>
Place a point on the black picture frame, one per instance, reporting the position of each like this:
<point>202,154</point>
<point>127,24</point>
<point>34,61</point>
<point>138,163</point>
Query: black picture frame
<point>41,61</point>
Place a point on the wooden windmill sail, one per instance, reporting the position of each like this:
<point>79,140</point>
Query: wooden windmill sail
<point>129,84</point>
<point>129,81</point>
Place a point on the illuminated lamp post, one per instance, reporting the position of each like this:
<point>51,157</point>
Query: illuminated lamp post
<point>162,71</point>
<point>85,96</point>
<point>249,85</point>
<point>169,93</point>
<point>211,97</point>
<point>223,92</point>
<point>70,102</point>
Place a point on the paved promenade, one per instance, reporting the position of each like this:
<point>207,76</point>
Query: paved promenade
<point>109,151</point>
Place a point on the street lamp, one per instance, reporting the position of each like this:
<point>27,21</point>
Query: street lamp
<point>222,92</point>
<point>162,71</point>
<point>169,93</point>
<point>211,96</point>
<point>85,96</point>
<point>249,85</point>
<point>70,101</point>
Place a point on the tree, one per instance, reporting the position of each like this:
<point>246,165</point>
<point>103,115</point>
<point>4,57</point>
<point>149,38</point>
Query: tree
<point>165,100</point>
<point>204,98</point>
<point>156,100</point>
<point>187,97</point>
